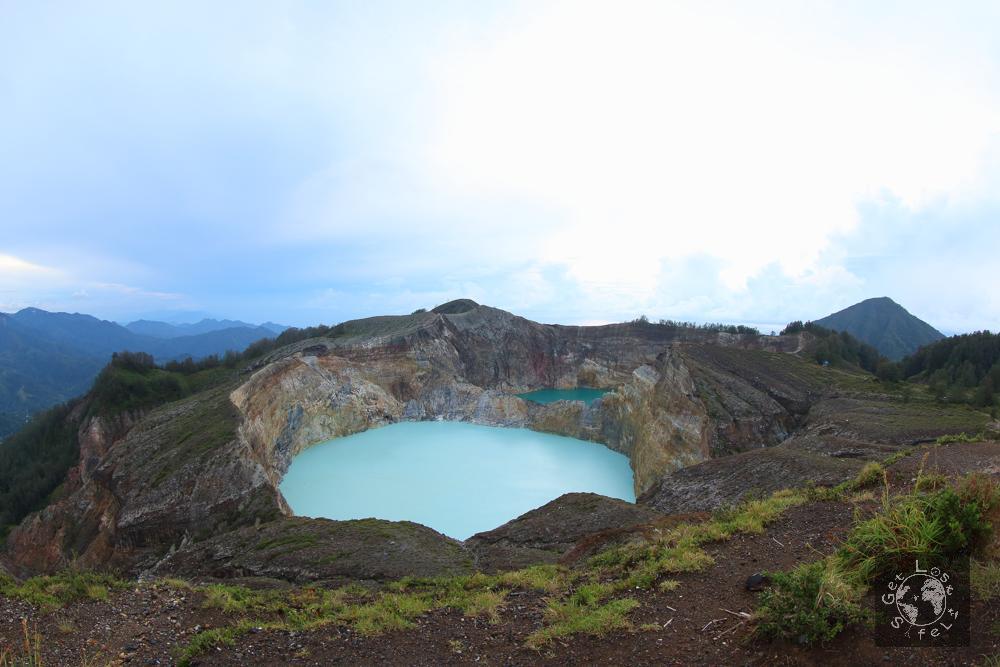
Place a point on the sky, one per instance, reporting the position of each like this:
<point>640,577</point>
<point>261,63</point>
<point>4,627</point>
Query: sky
<point>574,162</point>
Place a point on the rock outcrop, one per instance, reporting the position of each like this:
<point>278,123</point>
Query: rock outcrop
<point>827,445</point>
<point>307,550</point>
<point>725,481</point>
<point>546,534</point>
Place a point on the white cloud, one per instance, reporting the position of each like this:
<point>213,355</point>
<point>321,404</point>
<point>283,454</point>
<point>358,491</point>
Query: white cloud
<point>14,268</point>
<point>26,283</point>
<point>670,130</point>
<point>20,280</point>
<point>136,292</point>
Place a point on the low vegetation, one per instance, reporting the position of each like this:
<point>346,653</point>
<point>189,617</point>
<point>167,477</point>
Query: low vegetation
<point>591,600</point>
<point>816,601</point>
<point>871,473</point>
<point>984,577</point>
<point>52,592</point>
<point>641,564</point>
<point>959,437</point>
<point>367,612</point>
<point>812,603</point>
<point>573,616</point>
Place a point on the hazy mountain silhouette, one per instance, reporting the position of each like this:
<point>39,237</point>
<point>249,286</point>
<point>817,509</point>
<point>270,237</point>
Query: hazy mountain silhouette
<point>47,358</point>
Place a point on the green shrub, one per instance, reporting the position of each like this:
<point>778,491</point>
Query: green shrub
<point>816,601</point>
<point>963,520</point>
<point>810,604</point>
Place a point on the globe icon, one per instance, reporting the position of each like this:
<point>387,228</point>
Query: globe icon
<point>921,599</point>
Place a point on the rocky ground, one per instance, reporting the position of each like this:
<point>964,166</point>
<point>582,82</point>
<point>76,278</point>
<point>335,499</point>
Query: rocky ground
<point>705,620</point>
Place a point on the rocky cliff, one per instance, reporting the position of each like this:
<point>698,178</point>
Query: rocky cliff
<point>150,485</point>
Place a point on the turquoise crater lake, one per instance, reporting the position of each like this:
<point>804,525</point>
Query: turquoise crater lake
<point>457,478</point>
<point>586,394</point>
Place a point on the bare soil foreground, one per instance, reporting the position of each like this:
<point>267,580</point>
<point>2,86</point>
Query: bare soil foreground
<point>698,615</point>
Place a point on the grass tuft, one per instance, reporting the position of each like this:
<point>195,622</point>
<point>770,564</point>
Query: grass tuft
<point>28,654</point>
<point>546,578</point>
<point>573,616</point>
<point>985,580</point>
<point>209,639</point>
<point>930,481</point>
<point>871,474</point>
<point>238,599</point>
<point>391,611</point>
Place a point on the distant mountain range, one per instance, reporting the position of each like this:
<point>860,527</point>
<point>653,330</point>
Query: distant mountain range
<point>47,358</point>
<point>885,325</point>
<point>166,330</point>
<point>36,373</point>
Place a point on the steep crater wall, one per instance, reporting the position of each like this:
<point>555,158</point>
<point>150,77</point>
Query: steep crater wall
<point>210,464</point>
<point>654,417</point>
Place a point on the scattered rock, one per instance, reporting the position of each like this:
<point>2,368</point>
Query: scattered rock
<point>757,582</point>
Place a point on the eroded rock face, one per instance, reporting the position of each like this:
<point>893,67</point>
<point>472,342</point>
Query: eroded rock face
<point>326,391</point>
<point>725,481</point>
<point>42,540</point>
<point>178,474</point>
<point>656,419</point>
<point>657,416</point>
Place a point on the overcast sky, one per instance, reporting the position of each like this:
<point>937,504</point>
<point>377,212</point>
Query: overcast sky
<point>571,162</point>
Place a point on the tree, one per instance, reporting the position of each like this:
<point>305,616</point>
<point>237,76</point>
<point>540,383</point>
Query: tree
<point>886,371</point>
<point>984,395</point>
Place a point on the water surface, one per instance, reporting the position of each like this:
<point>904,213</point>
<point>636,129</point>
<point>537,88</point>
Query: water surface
<point>586,394</point>
<point>457,478</point>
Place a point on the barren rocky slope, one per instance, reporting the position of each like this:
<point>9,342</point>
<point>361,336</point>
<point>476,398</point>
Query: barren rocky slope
<point>150,489</point>
<point>703,618</point>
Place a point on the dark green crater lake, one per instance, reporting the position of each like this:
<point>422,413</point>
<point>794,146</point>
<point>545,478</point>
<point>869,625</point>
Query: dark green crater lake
<point>586,394</point>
